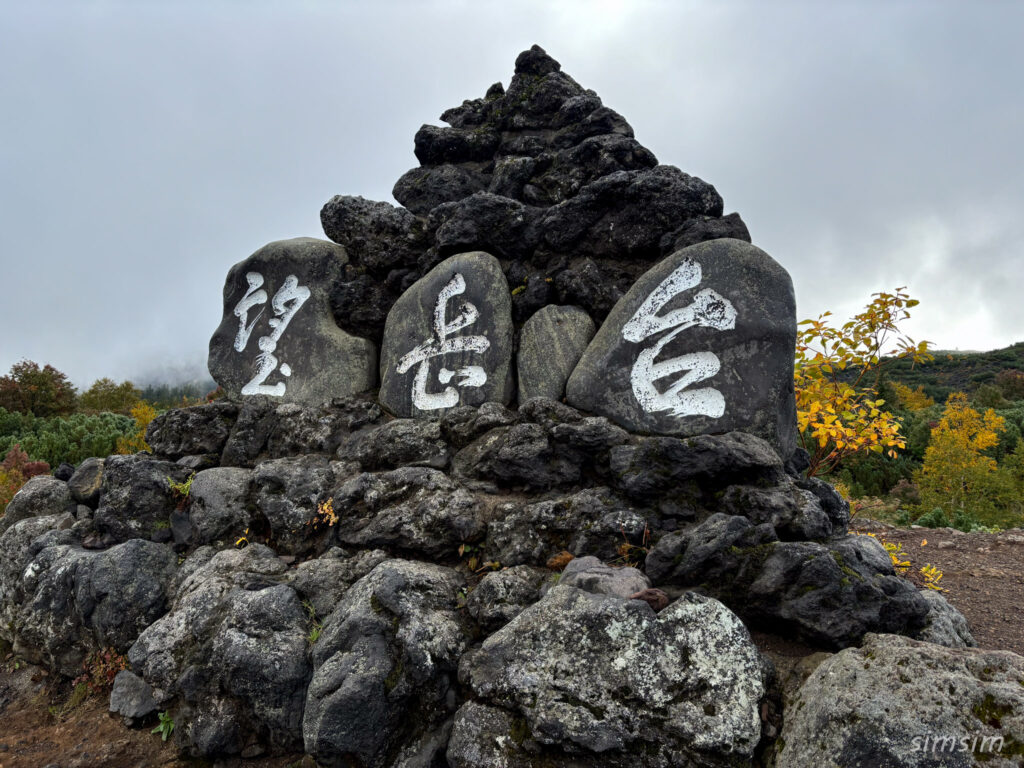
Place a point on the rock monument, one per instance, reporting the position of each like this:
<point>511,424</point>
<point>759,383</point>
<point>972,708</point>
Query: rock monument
<point>504,477</point>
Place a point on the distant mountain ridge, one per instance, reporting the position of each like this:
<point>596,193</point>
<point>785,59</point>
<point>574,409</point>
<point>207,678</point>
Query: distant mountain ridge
<point>955,371</point>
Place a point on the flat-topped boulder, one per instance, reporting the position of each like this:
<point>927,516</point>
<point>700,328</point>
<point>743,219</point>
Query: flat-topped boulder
<point>702,343</point>
<point>448,340</point>
<point>278,339</point>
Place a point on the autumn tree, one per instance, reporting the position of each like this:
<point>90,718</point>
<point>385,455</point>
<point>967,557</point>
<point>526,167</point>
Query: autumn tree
<point>105,396</point>
<point>1011,383</point>
<point>40,391</point>
<point>957,476</point>
<point>143,413</point>
<point>912,399</point>
<point>837,374</point>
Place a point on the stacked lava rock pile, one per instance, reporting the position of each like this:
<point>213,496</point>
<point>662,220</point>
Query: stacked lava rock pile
<point>503,478</point>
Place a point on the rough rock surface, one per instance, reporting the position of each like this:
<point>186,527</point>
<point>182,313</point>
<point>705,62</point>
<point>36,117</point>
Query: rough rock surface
<point>448,340</point>
<point>591,575</point>
<point>218,505</point>
<point>232,650</point>
<point>720,319</point>
<point>902,703</point>
<point>72,602</point>
<point>137,500</point>
<point>597,674</point>
<point>945,625</point>
<point>791,587</point>
<point>42,495</point>
<point>192,431</point>
<point>278,338</point>
<point>550,345</point>
<point>384,667</point>
<point>543,176</point>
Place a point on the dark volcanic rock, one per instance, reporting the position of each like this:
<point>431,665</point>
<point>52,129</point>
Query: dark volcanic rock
<point>448,340</point>
<point>385,664</point>
<point>412,509</point>
<point>87,482</point>
<point>137,500</point>
<point>725,316</point>
<point>421,190</point>
<point>190,431</point>
<point>278,338</point>
<point>71,602</point>
<point>232,650</point>
<point>377,236</point>
<point>830,594</point>
<point>541,173</point>
<point>401,442</point>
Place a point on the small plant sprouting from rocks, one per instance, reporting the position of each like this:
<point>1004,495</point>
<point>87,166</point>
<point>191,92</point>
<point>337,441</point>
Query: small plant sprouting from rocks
<point>932,576</point>
<point>243,540</point>
<point>181,491</point>
<point>165,727</point>
<point>316,627</point>
<point>559,561</point>
<point>630,554</point>
<point>474,562</point>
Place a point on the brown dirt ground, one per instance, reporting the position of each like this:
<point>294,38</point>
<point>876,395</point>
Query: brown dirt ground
<point>983,575</point>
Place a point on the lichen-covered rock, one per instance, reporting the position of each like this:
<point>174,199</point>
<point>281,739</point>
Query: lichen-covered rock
<point>592,521</point>
<point>829,594</point>
<point>720,317</point>
<point>71,602</point>
<point>907,704</point>
<point>384,666</point>
<point>448,340</point>
<point>945,625</point>
<point>550,344</point>
<point>41,496</point>
<point>278,338</point>
<point>377,236</point>
<point>322,581</point>
<point>795,514</point>
<point>232,652</point>
<point>595,674</point>
<point>502,595</point>
<point>412,509</point>
<point>137,499</point>
<point>192,431</point>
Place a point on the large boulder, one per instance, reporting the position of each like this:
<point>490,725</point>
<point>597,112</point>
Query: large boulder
<point>232,653</point>
<point>384,667</point>
<point>412,509</point>
<point>71,602</point>
<point>720,319</point>
<point>137,498</point>
<point>582,675</point>
<point>278,338</point>
<point>907,704</point>
<point>448,340</point>
<point>828,594</point>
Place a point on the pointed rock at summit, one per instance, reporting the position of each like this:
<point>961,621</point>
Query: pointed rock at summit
<point>540,174</point>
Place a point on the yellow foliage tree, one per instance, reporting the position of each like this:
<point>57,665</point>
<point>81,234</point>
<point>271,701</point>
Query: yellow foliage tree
<point>912,399</point>
<point>143,413</point>
<point>837,373</point>
<point>956,475</point>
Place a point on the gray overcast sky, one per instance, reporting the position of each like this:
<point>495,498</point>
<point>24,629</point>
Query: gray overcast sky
<point>145,147</point>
